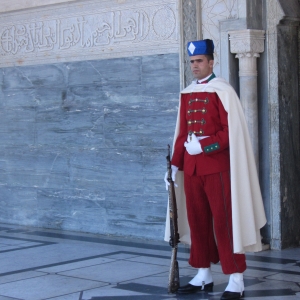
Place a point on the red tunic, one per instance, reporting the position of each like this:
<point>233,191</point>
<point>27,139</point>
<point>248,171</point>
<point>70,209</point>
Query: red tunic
<point>203,114</point>
<point>207,182</point>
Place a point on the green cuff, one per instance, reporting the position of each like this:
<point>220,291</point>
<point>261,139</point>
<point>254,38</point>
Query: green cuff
<point>211,148</point>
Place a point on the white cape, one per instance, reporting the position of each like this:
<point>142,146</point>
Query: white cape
<point>248,214</point>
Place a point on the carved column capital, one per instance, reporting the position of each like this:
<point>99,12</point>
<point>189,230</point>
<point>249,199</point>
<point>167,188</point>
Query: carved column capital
<point>247,44</point>
<point>247,41</point>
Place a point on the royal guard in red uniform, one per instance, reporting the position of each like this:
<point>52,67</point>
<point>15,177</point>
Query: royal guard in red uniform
<point>220,208</point>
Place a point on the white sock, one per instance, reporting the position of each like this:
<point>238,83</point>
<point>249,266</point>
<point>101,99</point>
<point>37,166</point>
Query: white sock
<point>203,275</point>
<point>236,283</point>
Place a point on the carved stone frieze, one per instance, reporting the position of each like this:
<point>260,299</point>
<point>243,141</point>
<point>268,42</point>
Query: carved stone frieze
<point>88,30</point>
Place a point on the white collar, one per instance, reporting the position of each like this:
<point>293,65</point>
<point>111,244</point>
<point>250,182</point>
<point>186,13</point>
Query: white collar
<point>203,79</point>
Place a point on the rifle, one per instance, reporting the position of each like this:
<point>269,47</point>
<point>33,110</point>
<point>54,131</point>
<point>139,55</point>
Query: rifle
<point>174,236</point>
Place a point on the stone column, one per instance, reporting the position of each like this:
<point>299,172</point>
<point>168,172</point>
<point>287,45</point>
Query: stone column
<point>247,44</point>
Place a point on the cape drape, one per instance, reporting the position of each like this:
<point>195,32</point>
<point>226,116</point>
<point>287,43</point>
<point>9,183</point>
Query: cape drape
<point>248,214</point>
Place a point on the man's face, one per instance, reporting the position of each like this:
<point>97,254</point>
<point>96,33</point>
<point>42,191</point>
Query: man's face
<point>200,66</point>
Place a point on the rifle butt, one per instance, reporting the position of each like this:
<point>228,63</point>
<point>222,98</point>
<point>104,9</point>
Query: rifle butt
<point>174,282</point>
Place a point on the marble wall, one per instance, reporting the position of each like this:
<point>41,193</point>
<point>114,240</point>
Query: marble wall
<point>280,123</point>
<point>88,104</point>
<point>83,144</point>
<point>289,126</point>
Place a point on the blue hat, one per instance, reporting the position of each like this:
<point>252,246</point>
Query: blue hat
<point>200,47</point>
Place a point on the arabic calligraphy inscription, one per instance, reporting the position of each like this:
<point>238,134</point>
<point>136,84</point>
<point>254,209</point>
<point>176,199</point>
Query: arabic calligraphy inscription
<point>113,31</point>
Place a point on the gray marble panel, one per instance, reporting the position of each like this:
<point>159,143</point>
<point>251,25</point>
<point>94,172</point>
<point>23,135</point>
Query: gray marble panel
<point>154,168</point>
<point>87,96</point>
<point>1,79</point>
<point>107,168</point>
<point>289,131</point>
<point>34,168</point>
<point>120,70</point>
<point>131,214</point>
<point>118,79</point>
<point>69,129</point>
<point>15,79</point>
<point>72,210</point>
<point>18,126</point>
<point>33,76</point>
<point>47,98</point>
<point>158,73</point>
<point>138,125</point>
<point>83,73</point>
<point>19,205</point>
<point>18,98</point>
<point>83,144</point>
<point>34,160</point>
<point>2,98</point>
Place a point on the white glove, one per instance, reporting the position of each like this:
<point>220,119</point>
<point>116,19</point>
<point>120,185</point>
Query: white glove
<point>174,171</point>
<point>192,145</point>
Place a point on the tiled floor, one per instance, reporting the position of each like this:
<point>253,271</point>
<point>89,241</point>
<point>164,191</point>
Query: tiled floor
<point>41,264</point>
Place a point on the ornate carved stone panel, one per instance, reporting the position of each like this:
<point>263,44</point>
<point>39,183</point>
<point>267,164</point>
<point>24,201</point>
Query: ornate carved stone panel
<point>190,30</point>
<point>214,11</point>
<point>88,30</point>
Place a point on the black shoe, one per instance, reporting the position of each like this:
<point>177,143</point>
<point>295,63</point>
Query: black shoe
<point>232,295</point>
<point>189,288</point>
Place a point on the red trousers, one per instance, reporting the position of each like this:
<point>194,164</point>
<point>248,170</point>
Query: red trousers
<point>208,202</point>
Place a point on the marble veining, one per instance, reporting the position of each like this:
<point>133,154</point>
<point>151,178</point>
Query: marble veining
<point>83,144</point>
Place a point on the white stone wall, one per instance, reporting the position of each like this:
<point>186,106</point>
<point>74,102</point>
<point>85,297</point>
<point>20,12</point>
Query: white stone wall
<point>214,11</point>
<point>10,5</point>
